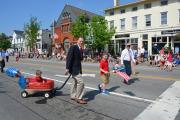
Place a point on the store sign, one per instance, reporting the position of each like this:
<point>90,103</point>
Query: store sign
<point>122,35</point>
<point>170,31</point>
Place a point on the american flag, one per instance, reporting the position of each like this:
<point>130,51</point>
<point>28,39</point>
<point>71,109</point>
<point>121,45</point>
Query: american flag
<point>123,75</point>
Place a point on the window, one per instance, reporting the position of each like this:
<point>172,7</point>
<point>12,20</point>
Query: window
<point>134,9</point>
<point>148,5</point>
<point>148,20</point>
<point>122,22</point>
<point>134,22</point>
<point>163,18</point>
<point>66,15</point>
<point>112,24</point>
<point>122,11</point>
<point>164,2</point>
<point>145,36</point>
<point>111,12</point>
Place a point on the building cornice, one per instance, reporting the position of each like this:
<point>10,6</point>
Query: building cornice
<point>158,29</point>
<point>129,5</point>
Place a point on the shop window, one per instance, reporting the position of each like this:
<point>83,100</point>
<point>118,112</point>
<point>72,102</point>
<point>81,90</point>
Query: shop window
<point>164,39</point>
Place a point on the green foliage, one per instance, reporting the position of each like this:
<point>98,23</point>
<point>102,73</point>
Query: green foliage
<point>100,32</point>
<point>31,31</point>
<point>97,30</point>
<point>5,43</point>
<point>3,36</point>
<point>80,27</point>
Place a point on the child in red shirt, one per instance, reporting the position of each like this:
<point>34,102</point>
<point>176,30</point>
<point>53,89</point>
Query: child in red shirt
<point>105,74</point>
<point>37,78</point>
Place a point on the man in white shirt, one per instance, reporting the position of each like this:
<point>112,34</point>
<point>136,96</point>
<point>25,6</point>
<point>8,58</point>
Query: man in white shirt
<point>126,58</point>
<point>7,56</point>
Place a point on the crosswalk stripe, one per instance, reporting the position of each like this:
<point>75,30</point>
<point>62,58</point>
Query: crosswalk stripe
<point>83,75</point>
<point>166,107</point>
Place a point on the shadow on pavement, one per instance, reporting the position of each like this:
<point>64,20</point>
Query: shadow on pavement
<point>90,95</point>
<point>130,93</point>
<point>60,93</point>
<point>41,101</point>
<point>133,80</point>
<point>44,100</point>
<point>113,88</point>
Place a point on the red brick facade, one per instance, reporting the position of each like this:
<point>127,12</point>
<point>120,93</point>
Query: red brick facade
<point>64,37</point>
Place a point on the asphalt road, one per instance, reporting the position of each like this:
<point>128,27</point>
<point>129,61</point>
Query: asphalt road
<point>126,102</point>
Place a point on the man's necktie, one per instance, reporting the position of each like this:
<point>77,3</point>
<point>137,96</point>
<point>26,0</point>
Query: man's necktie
<point>81,50</point>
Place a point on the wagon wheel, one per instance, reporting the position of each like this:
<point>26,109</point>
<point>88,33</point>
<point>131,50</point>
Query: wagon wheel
<point>24,94</point>
<point>47,94</point>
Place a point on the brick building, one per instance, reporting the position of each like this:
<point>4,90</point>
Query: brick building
<point>63,38</point>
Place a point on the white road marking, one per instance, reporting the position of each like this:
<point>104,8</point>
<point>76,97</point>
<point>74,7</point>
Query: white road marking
<point>164,108</point>
<point>89,75</point>
<point>64,76</point>
<point>91,88</point>
<point>83,75</point>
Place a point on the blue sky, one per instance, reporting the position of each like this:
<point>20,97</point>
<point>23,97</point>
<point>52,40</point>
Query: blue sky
<point>15,13</point>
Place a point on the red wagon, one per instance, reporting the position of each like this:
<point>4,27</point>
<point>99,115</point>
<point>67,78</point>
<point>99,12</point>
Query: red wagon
<point>31,85</point>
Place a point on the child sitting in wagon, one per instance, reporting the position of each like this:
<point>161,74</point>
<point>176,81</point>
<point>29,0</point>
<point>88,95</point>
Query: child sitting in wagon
<point>30,80</point>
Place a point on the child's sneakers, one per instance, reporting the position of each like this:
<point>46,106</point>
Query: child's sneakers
<point>105,92</point>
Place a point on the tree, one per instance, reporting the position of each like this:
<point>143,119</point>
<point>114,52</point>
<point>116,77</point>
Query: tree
<point>5,43</point>
<point>31,32</point>
<point>100,32</point>
<point>3,36</point>
<point>80,27</point>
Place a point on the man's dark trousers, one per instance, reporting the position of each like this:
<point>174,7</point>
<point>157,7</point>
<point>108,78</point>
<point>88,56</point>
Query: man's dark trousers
<point>127,65</point>
<point>2,64</point>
